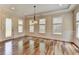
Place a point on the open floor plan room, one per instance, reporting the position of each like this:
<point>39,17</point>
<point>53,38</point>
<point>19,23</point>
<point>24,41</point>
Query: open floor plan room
<point>39,29</point>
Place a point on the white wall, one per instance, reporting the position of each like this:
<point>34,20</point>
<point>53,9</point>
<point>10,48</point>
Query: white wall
<point>68,27</point>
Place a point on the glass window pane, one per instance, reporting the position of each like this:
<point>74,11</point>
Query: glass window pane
<point>42,28</point>
<point>77,16</point>
<point>20,25</point>
<point>57,20</point>
<point>30,22</point>
<point>77,25</point>
<point>20,21</point>
<point>8,28</point>
<point>57,28</point>
<point>31,26</point>
<point>31,29</point>
<point>77,30</point>
<point>20,28</point>
<point>42,21</point>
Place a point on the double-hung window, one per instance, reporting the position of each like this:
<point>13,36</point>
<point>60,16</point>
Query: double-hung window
<point>20,25</point>
<point>31,25</point>
<point>57,25</point>
<point>77,25</point>
<point>42,25</point>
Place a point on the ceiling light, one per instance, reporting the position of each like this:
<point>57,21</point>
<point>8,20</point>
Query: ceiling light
<point>35,22</point>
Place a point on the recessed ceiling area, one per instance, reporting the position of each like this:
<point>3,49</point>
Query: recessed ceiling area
<point>28,9</point>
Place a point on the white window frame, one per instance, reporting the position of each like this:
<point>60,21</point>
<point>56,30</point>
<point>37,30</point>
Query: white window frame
<point>55,24</point>
<point>31,26</point>
<point>42,24</point>
<point>77,25</point>
<point>20,24</point>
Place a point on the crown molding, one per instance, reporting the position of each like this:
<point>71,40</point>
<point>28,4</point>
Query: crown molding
<point>70,8</point>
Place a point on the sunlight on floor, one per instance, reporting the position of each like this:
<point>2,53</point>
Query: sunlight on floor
<point>8,48</point>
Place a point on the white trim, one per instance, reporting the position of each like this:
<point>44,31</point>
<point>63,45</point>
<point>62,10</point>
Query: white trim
<point>72,7</point>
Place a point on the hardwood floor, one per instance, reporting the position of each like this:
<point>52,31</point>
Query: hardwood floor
<point>35,46</point>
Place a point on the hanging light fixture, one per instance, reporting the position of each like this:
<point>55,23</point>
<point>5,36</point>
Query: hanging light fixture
<point>35,22</point>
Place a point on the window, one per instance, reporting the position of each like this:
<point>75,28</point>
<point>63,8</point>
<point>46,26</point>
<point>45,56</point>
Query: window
<point>77,25</point>
<point>20,25</point>
<point>42,23</point>
<point>8,27</point>
<point>57,25</point>
<point>31,26</point>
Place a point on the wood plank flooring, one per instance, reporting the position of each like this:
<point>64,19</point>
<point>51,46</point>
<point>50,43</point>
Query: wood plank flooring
<point>37,46</point>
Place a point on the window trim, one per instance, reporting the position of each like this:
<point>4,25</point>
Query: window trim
<point>76,21</point>
<point>57,33</point>
<point>42,24</point>
<point>21,25</point>
<point>31,25</point>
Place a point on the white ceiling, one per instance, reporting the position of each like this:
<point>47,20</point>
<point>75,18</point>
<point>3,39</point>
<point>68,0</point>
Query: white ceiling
<point>27,9</point>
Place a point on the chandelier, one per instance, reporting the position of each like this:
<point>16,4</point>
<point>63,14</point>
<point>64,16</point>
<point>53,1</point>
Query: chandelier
<point>34,21</point>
